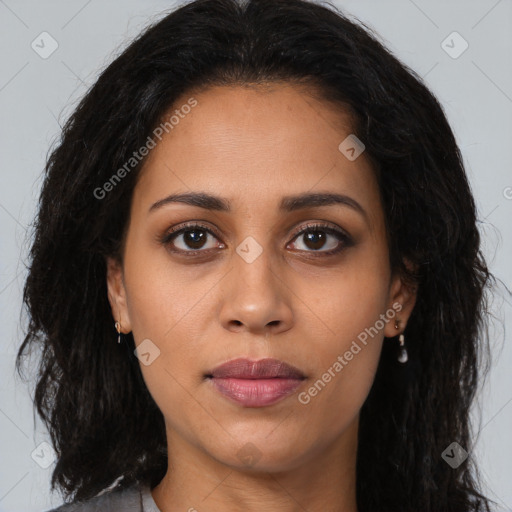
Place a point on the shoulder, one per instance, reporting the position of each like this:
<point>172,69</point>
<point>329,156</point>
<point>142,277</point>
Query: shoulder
<point>127,500</point>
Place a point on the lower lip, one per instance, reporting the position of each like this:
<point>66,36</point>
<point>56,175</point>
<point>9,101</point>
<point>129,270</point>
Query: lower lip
<point>256,392</point>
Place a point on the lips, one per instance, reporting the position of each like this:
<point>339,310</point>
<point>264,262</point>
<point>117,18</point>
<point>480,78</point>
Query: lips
<point>262,369</point>
<point>255,383</point>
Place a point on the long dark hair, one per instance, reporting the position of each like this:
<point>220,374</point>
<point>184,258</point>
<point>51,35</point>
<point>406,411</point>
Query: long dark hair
<point>105,426</point>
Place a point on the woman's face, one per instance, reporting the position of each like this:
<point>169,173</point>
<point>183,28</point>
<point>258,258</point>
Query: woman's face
<point>254,280</point>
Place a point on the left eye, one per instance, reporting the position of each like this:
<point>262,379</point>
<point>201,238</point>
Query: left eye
<point>316,237</point>
<point>192,238</point>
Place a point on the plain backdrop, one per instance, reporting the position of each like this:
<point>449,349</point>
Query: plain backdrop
<point>37,94</point>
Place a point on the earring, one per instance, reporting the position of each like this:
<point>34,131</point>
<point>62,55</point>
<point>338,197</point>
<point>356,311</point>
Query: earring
<point>118,328</point>
<point>403,357</point>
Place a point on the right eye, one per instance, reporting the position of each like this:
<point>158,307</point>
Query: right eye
<point>190,239</point>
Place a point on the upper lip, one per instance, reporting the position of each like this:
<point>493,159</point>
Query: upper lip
<point>264,368</point>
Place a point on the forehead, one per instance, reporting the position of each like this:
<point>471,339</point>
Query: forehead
<point>256,144</point>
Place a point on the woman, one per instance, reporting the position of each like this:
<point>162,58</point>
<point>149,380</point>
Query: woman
<point>256,278</point>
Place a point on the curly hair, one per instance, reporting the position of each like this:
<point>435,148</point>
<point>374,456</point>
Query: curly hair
<point>105,427</point>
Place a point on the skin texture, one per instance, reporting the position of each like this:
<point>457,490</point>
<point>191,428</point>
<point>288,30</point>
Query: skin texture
<point>252,146</point>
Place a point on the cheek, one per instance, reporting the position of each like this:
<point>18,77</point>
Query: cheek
<point>345,362</point>
<point>345,302</point>
<point>350,315</point>
<point>160,293</point>
<point>167,304</point>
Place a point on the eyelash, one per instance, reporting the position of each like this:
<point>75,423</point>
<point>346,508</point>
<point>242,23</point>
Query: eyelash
<point>175,232</point>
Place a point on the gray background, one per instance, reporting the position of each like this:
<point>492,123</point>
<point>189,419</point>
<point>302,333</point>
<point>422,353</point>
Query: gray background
<point>36,94</point>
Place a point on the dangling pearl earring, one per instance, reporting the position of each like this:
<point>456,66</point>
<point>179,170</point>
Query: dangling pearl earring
<point>403,357</point>
<point>118,328</point>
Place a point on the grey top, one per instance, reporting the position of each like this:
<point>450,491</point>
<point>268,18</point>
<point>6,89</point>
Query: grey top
<point>131,499</point>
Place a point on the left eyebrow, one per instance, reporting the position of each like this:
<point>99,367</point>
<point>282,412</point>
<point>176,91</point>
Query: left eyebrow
<point>293,203</point>
<point>287,204</point>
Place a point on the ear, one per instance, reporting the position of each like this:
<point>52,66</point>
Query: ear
<point>117,294</point>
<point>402,298</point>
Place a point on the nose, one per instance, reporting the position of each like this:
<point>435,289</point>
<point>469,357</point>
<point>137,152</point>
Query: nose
<point>256,297</point>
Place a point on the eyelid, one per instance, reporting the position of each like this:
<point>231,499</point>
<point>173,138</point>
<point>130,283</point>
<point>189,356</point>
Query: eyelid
<point>318,225</point>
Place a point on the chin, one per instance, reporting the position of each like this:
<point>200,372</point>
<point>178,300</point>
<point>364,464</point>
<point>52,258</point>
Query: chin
<point>258,454</point>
